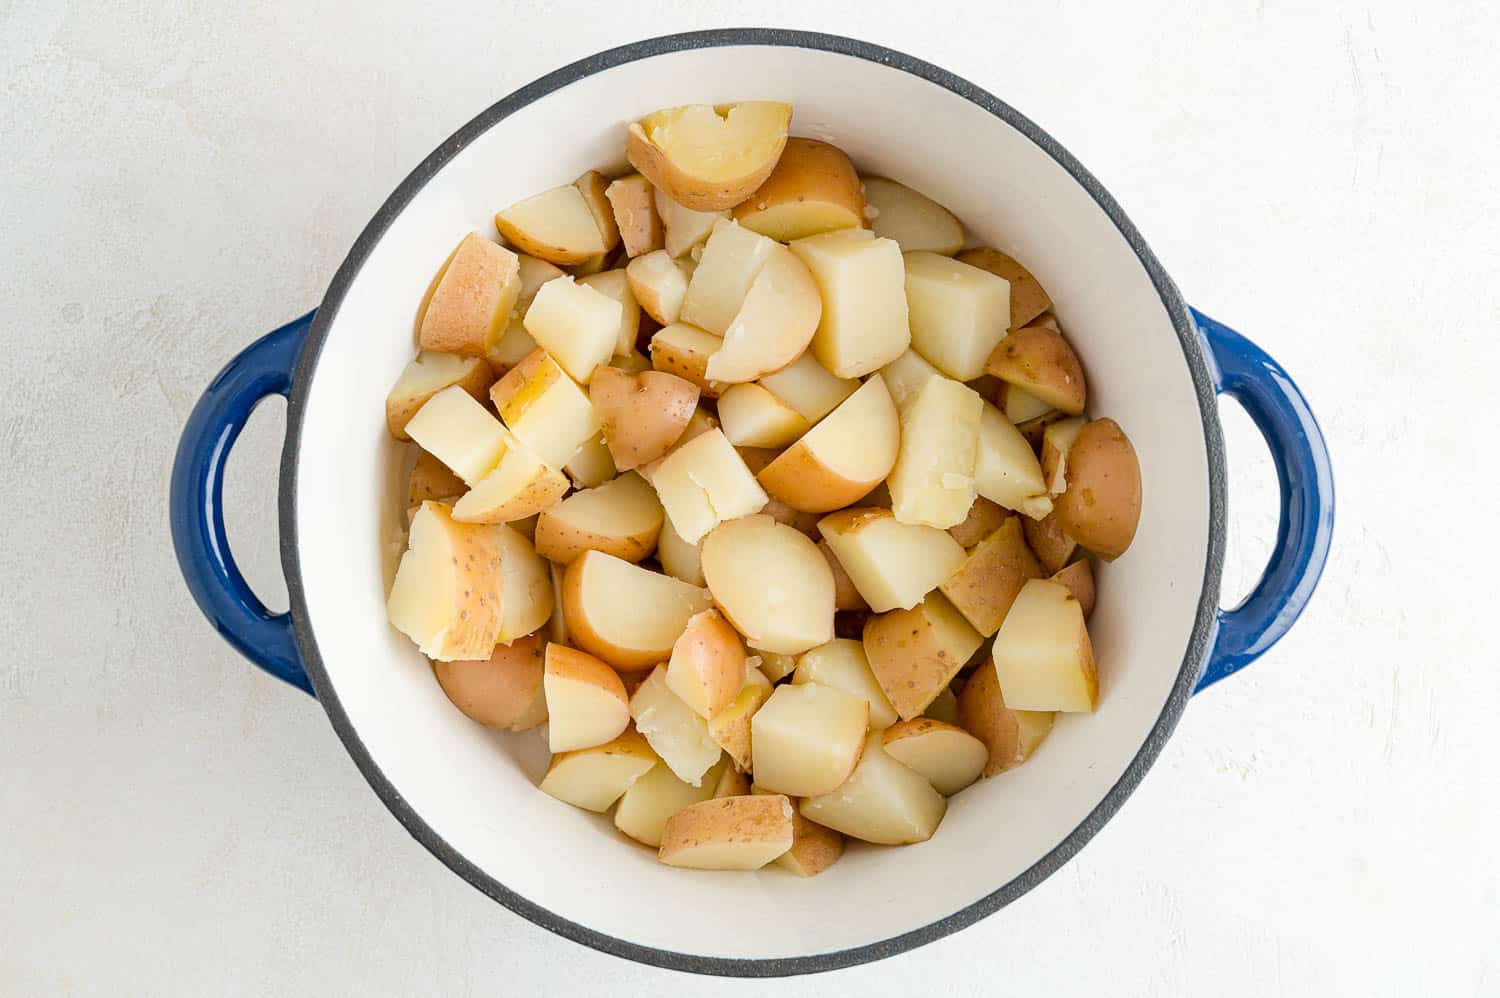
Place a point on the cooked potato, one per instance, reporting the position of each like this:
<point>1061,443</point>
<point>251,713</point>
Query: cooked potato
<point>545,409</point>
<point>774,323</point>
<point>592,466</point>
<point>882,801</point>
<point>730,727</point>
<point>655,797</point>
<point>586,704</point>
<point>526,528</point>
<point>841,663</point>
<point>642,415</point>
<point>985,517</point>
<point>576,324</point>
<point>513,344</point>
<point>862,282</point>
<point>907,373</point>
<point>753,417</point>
<point>987,583</point>
<point>685,229</point>
<point>1042,363</point>
<point>813,189</point>
<point>842,458</point>
<point>614,284</point>
<point>808,388</point>
<point>1042,653</point>
<point>892,564</point>
<point>557,624</point>
<point>786,605</point>
<point>556,225</point>
<point>1019,405</point>
<point>659,283</point>
<point>684,350</point>
<point>460,432</point>
<point>944,708</point>
<point>1033,430</point>
<point>958,313</point>
<point>805,740</point>
<point>845,593</point>
<point>593,778</point>
<point>731,833</point>
<point>521,485</point>
<point>675,731</point>
<point>470,299</point>
<point>1101,506</point>
<point>775,666</point>
<point>1009,735</point>
<point>431,479</point>
<point>932,481</point>
<point>1047,541</point>
<point>1057,440</point>
<point>731,259</point>
<point>1006,470</point>
<point>733,783</point>
<point>814,847</point>
<point>945,755</point>
<point>1079,578</point>
<point>703,483</point>
<point>427,375</point>
<point>913,220</point>
<point>627,615</point>
<point>622,517</point>
<point>678,558</point>
<point>1028,299</point>
<point>631,202</point>
<point>707,667</point>
<point>503,691</point>
<point>633,362</point>
<point>915,653</point>
<point>593,185</point>
<point>709,158</point>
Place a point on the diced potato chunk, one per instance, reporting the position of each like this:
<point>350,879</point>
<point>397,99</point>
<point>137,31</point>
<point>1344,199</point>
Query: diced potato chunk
<point>545,409</point>
<point>913,220</point>
<point>774,323</point>
<point>958,313</point>
<point>616,285</point>
<point>622,517</point>
<point>862,281</point>
<point>987,583</point>
<point>753,417</point>
<point>933,479</point>
<point>1042,653</point>
<point>594,778</point>
<point>786,604</point>
<point>627,615</point>
<point>814,847</point>
<point>906,374</point>
<point>1042,362</point>
<point>631,201</point>
<point>845,593</point>
<point>731,833</point>
<point>842,458</point>
<point>470,299</point>
<point>577,324</point>
<point>841,663</point>
<point>730,728</point>
<point>813,189</point>
<point>710,157</point>
<point>643,415</point>
<point>685,228</point>
<point>985,517</point>
<point>586,703</point>
<point>1028,299</point>
<point>945,755</point>
<point>808,388</point>
<point>675,731</point>
<point>555,225</point>
<point>654,798</point>
<point>684,350</point>
<point>424,377</point>
<point>593,185</point>
<point>592,466</point>
<point>678,558</point>
<point>731,259</point>
<point>460,432</point>
<point>1079,578</point>
<point>707,668</point>
<point>503,691</point>
<point>521,485</point>
<point>805,740</point>
<point>659,283</point>
<point>703,483</point>
<point>915,653</point>
<point>892,564</point>
<point>1057,440</point>
<point>1010,736</point>
<point>882,802</point>
<point>1047,540</point>
<point>1006,470</point>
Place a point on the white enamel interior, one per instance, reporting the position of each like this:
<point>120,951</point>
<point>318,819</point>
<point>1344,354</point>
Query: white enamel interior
<point>475,788</point>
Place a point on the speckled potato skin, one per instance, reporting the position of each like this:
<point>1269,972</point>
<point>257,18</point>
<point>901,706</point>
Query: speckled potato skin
<point>1101,506</point>
<point>503,691</point>
<point>471,298</point>
<point>1040,361</point>
<point>760,826</point>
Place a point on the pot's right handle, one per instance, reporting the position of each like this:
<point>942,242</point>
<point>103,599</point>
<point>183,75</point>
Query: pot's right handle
<point>1244,372</point>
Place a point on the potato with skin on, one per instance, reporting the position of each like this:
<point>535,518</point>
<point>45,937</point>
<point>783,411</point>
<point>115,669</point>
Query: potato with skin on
<point>614,284</point>
<point>470,299</point>
<point>882,801</point>
<point>556,225</point>
<point>814,847</point>
<point>655,797</point>
<point>892,564</point>
<point>1041,362</point>
<point>625,614</point>
<point>1028,299</point>
<point>592,465</point>
<point>707,667</point>
<point>915,653</point>
<point>700,422</point>
<point>460,432</point>
<point>932,481</point>
<point>1079,579</point>
<point>733,783</point>
<point>594,778</point>
<point>1042,653</point>
<point>678,558</point>
<point>709,158</point>
<point>503,691</point>
<point>1006,470</point>
<point>1010,736</point>
<point>731,259</point>
<point>586,703</point>
<point>1057,440</point>
<point>674,729</point>
<point>862,281</point>
<point>843,457</point>
<point>813,189</point>
<point>593,185</point>
<point>774,323</point>
<point>622,517</point>
<point>945,755</point>
<point>683,228</point>
<point>545,409</point>
<point>513,344</point>
<point>659,284</point>
<point>985,517</point>
<point>431,479</point>
<point>808,388</point>
<point>786,604</point>
<point>632,202</point>
<point>841,663</point>
<point>520,485</point>
<point>1052,547</point>
<point>753,417</point>
<point>1101,506</point>
<point>731,727</point>
<point>576,324</point>
<point>429,373</point>
<point>845,594</point>
<point>987,583</point>
<point>958,313</point>
<point>915,221</point>
<point>684,351</point>
<point>730,833</point>
<point>806,740</point>
<point>703,483</point>
<point>641,415</point>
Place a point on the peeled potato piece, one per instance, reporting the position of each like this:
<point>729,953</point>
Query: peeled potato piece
<point>703,483</point>
<point>841,663</point>
<point>1010,736</point>
<point>906,374</point>
<point>1101,506</point>
<point>805,740</point>
<point>1042,363</point>
<point>470,299</point>
<point>675,731</point>
<point>731,833</point>
<point>882,801</point>
<point>731,259</point>
<point>521,485</point>
<point>709,158</point>
<point>774,323</point>
<point>1028,299</point>
<point>594,778</point>
<point>861,279</point>
<point>813,189</point>
<point>1079,578</point>
<point>424,377</point>
<point>654,798</point>
<point>932,481</point>
<point>987,583</point>
<point>631,202</point>
<point>915,653</point>
<point>753,417</point>
<point>622,517</point>
<point>892,564</point>
<point>684,351</point>
<point>614,284</point>
<point>786,604</point>
<point>545,409</point>
<point>945,755</point>
<point>707,667</point>
<point>460,432</point>
<point>1006,470</point>
<point>958,313</point>
<point>808,388</point>
<point>627,615</point>
<point>642,415</point>
<point>1042,653</point>
<point>659,283</point>
<point>555,225</point>
<point>503,691</point>
<point>576,324</point>
<point>843,457</point>
<point>913,220</point>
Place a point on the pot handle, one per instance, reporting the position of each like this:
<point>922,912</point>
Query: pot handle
<point>1244,372</point>
<point>197,502</point>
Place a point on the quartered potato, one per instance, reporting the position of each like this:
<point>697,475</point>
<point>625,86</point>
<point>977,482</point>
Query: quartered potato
<point>813,189</point>
<point>545,408</point>
<point>945,755</point>
<point>786,604</point>
<point>470,299</point>
<point>1028,299</point>
<point>843,457</point>
<point>1042,653</point>
<point>642,415</point>
<point>632,202</point>
<point>676,732</point>
<point>1010,736</point>
<point>709,158</point>
<point>1039,361</point>
<point>805,740</point>
<point>892,564</point>
<point>730,833</point>
<point>882,801</point>
<point>622,517</point>
<point>424,377</point>
<point>659,283</point>
<point>653,798</point>
<point>862,280</point>
<point>913,220</point>
<point>594,778</point>
<point>915,653</point>
<point>627,615</point>
<point>557,226</point>
<point>586,703</point>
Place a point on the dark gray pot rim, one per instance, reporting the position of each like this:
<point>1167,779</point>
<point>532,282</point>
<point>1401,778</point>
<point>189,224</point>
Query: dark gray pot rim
<point>1198,646</point>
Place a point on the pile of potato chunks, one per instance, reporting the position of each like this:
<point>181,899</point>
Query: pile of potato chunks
<point>806,566</point>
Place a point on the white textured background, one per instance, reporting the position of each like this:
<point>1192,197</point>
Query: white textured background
<point>175,182</point>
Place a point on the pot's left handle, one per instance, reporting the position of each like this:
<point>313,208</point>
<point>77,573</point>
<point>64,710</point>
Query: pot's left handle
<point>197,502</point>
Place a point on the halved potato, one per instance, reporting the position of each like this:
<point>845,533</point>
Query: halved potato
<point>841,663</point>
<point>862,282</point>
<point>1101,506</point>
<point>808,388</point>
<point>678,558</point>
<point>845,593</point>
<point>592,466</point>
<point>1057,440</point>
<point>703,483</point>
<point>813,189</point>
<point>1006,470</point>
<point>470,299</point>
<point>915,653</point>
<point>1042,653</point>
<point>892,564</point>
<point>586,704</point>
<point>1052,547</point>
<point>944,708</point>
<point>932,481</point>
<point>674,730</point>
<point>457,430</point>
<point>1042,363</point>
<point>731,259</point>
<point>906,374</point>
<point>593,185</point>
<point>731,833</point>
<point>576,324</point>
<point>685,229</point>
<point>786,603</point>
<point>631,202</point>
<point>709,158</point>
<point>1028,299</point>
<point>642,415</point>
<point>730,728</point>
<point>622,517</point>
<point>555,225</point>
<point>843,457</point>
<point>882,801</point>
<point>503,691</point>
<point>805,740</point>
<point>987,583</point>
<point>707,668</point>
<point>1009,736</point>
<point>627,615</point>
<point>431,479</point>
<point>958,313</point>
<point>655,797</point>
<point>1019,405</point>
<point>521,485</point>
<point>424,377</point>
<point>659,283</point>
<point>945,755</point>
<point>1079,578</point>
<point>984,518</point>
<point>913,220</point>
<point>774,323</point>
<point>545,409</point>
<point>594,778</point>
<point>616,285</point>
<point>753,417</point>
